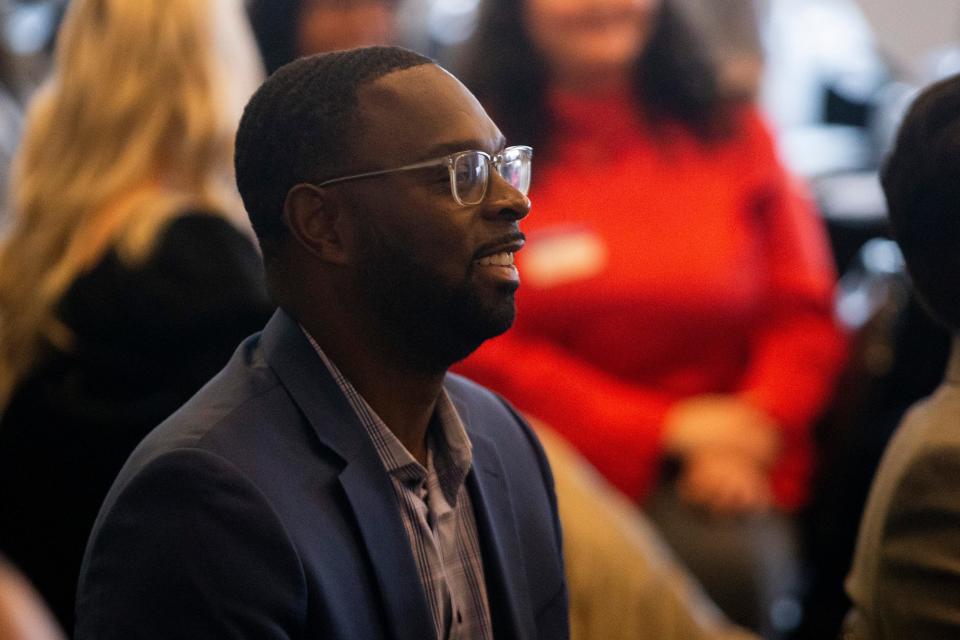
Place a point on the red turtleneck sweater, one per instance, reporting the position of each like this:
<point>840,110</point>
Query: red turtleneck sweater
<point>659,269</point>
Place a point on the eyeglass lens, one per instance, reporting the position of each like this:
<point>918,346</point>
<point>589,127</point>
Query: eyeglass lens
<point>472,172</point>
<point>515,169</point>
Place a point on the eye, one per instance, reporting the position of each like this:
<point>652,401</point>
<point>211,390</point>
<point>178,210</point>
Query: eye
<point>470,171</point>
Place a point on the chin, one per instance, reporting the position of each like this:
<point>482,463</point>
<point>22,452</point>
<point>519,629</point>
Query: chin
<point>495,317</point>
<point>464,336</point>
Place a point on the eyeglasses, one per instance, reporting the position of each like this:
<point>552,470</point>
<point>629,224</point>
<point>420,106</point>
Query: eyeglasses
<point>469,172</point>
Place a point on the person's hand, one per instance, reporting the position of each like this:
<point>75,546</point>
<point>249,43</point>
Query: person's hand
<point>714,422</point>
<point>724,483</point>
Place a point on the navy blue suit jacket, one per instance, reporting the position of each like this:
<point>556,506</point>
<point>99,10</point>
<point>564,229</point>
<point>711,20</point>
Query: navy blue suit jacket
<point>261,510</point>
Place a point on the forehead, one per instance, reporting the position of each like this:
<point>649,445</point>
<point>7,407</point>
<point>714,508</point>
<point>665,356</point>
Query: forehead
<point>408,115</point>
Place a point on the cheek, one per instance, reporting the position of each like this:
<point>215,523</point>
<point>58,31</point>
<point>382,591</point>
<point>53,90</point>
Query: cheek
<point>437,240</point>
<point>443,247</point>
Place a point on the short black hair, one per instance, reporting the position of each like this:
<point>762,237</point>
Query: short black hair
<point>921,180</point>
<point>297,128</point>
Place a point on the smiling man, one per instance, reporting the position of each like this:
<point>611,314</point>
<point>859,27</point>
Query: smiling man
<point>334,481</point>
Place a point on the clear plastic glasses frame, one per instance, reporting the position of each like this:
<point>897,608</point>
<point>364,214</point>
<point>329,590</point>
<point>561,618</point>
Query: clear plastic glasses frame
<point>469,172</point>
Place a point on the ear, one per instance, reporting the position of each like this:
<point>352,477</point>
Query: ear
<point>314,221</point>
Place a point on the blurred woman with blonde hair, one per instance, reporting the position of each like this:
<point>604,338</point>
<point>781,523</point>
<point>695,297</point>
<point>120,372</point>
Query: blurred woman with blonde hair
<point>124,283</point>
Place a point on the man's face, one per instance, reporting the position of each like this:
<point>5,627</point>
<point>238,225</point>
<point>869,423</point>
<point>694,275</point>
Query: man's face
<point>421,268</point>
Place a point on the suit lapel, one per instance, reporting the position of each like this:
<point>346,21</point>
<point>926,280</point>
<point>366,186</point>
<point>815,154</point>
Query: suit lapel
<point>367,485</point>
<point>507,588</point>
<point>385,537</point>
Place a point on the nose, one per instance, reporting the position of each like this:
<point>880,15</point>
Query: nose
<point>505,202</point>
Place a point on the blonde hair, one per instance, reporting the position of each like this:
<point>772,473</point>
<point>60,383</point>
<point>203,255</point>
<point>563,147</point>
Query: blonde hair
<point>129,130</point>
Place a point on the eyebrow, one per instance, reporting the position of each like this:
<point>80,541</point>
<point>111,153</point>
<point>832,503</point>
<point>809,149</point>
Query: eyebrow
<point>447,148</point>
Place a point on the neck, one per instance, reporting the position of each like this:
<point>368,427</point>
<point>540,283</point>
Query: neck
<point>403,395</point>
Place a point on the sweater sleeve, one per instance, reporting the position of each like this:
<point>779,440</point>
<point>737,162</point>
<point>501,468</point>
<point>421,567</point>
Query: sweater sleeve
<point>797,347</point>
<point>614,424</point>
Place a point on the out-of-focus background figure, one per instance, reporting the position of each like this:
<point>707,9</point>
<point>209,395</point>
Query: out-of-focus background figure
<point>624,582</point>
<point>125,283</point>
<point>905,577</point>
<point>676,320</point>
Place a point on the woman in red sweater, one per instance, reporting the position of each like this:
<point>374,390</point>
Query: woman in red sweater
<point>677,286</point>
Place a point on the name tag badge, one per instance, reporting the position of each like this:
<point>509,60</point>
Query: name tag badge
<point>553,258</point>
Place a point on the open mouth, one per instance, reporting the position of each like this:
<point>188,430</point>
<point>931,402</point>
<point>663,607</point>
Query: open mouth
<point>502,259</point>
<point>496,260</point>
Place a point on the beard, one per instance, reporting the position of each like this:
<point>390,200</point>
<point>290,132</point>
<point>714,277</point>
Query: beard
<point>435,322</point>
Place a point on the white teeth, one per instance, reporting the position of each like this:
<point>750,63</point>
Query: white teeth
<point>504,259</point>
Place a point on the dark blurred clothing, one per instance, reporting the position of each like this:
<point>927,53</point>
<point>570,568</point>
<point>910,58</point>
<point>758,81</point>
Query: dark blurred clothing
<point>274,517</point>
<point>146,338</point>
<point>896,359</point>
<point>749,565</point>
<point>905,578</point>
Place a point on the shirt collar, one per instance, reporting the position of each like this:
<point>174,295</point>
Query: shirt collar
<point>453,452</point>
<point>448,444</point>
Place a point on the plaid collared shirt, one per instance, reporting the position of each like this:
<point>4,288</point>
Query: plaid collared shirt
<point>437,512</point>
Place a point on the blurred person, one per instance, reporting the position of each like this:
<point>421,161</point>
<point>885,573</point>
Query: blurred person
<point>23,615</point>
<point>905,577</point>
<point>334,481</point>
<point>676,319</point>
<point>288,29</point>
<point>124,285</point>
<point>624,582</point>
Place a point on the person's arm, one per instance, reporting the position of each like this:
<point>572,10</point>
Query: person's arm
<point>796,352</point>
<point>917,594</point>
<point>190,549</point>
<point>798,347</point>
